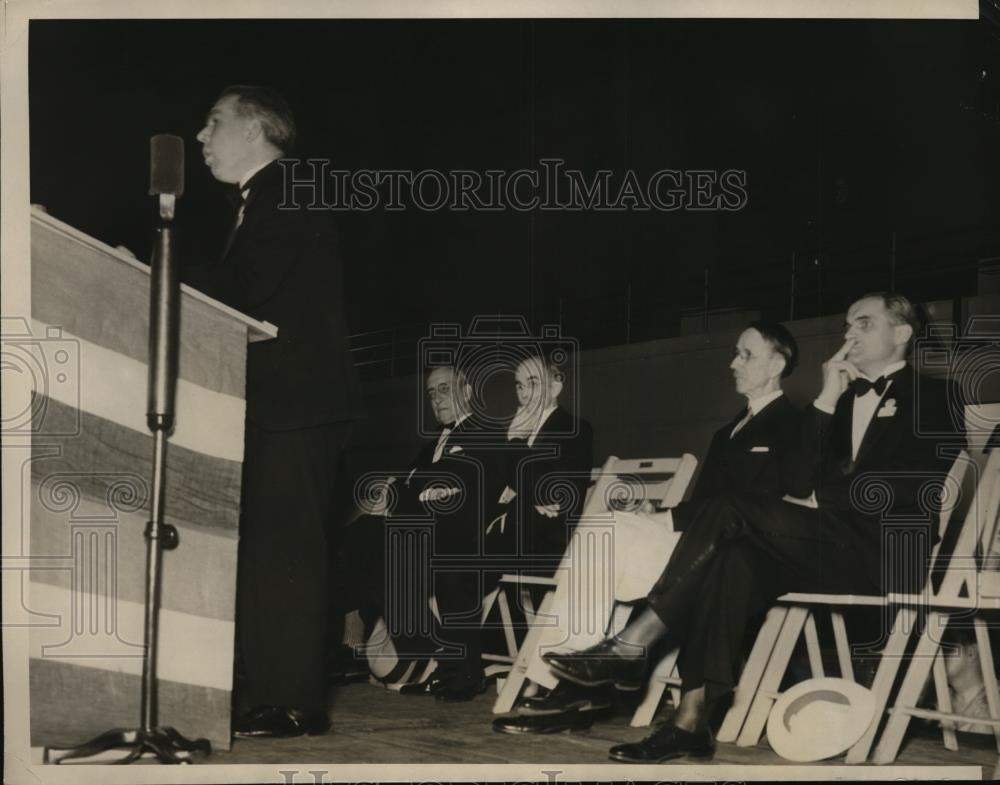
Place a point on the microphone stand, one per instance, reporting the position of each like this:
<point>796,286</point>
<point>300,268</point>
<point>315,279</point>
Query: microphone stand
<point>165,743</point>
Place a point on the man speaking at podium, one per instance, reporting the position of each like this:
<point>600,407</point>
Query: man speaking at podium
<point>281,266</point>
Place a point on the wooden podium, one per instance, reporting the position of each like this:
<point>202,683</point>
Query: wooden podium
<point>88,490</point>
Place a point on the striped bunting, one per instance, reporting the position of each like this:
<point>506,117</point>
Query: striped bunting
<point>110,699</point>
<point>89,487</point>
<point>106,458</point>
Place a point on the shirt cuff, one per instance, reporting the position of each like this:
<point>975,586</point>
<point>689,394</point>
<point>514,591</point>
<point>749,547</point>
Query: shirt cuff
<point>823,408</point>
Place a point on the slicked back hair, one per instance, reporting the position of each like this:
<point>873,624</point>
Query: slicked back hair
<point>901,310</point>
<point>781,341</point>
<point>266,105</point>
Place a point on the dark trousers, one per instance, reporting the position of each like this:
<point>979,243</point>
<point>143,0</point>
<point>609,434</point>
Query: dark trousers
<point>737,556</point>
<point>281,595</point>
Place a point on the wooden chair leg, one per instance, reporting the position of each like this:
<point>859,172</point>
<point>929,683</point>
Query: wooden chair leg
<point>746,690</point>
<point>508,625</point>
<point>655,688</point>
<point>770,682</point>
<point>943,696</point>
<point>885,677</point>
<point>518,671</point>
<point>918,670</point>
<point>812,647</point>
<point>843,647</point>
<point>989,674</point>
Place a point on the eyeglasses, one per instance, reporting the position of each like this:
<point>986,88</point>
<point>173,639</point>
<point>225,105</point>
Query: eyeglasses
<point>443,390</point>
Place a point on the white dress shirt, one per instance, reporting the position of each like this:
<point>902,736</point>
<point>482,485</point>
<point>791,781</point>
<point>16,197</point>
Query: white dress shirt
<point>865,406</point>
<point>754,408</point>
<point>443,438</point>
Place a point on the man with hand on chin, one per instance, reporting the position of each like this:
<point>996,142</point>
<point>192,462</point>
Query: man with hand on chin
<point>876,423</point>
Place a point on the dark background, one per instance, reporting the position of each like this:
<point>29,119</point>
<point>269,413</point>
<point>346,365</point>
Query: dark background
<point>851,133</point>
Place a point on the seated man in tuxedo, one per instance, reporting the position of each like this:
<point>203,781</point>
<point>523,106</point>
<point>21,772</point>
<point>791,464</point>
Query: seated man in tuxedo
<point>871,441</point>
<point>756,453</point>
<point>452,486</point>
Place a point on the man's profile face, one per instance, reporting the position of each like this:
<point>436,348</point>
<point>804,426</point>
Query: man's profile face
<point>448,395</point>
<point>535,387</point>
<point>754,364</point>
<point>877,340</point>
<point>225,142</point>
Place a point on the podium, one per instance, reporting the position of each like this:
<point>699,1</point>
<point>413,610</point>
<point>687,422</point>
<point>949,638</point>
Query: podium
<point>87,488</point>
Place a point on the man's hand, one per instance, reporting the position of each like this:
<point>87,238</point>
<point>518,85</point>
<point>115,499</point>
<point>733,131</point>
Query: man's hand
<point>437,494</point>
<point>838,372</point>
<point>508,495</point>
<point>548,510</point>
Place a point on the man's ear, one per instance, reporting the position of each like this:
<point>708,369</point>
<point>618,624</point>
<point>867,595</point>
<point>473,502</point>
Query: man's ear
<point>254,130</point>
<point>776,365</point>
<point>902,333</point>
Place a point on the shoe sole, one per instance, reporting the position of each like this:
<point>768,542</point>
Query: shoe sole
<point>523,711</point>
<point>700,756</point>
<point>543,731</point>
<point>624,686</point>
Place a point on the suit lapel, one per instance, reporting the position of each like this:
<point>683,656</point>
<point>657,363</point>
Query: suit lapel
<point>843,424</point>
<point>901,390</point>
<point>557,423</point>
<point>259,181</point>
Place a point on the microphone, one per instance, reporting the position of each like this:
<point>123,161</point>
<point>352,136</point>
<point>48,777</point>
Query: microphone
<point>166,171</point>
<point>166,180</point>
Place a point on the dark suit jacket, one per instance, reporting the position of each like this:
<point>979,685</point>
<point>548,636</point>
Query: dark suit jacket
<point>554,470</point>
<point>473,461</point>
<point>283,266</point>
<point>762,459</point>
<point>879,502</point>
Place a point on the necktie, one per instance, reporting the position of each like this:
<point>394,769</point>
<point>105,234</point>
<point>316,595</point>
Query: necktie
<point>238,198</point>
<point>740,425</point>
<point>862,386</point>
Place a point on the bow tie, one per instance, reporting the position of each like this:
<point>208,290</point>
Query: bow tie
<point>862,386</point>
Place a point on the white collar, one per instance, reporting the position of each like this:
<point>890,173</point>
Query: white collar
<point>889,369</point>
<point>759,403</point>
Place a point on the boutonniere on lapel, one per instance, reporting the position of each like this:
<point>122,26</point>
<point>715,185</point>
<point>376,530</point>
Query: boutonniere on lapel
<point>888,408</point>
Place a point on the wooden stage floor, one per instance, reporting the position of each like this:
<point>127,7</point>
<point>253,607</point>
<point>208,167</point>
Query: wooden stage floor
<point>375,726</point>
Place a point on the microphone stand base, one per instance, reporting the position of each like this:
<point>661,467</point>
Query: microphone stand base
<point>166,744</point>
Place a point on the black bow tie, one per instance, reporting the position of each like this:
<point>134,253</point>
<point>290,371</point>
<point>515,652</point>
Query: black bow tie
<point>862,386</point>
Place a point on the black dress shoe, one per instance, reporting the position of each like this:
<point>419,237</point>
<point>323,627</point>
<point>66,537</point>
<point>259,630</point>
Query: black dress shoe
<point>598,665</point>
<point>280,722</point>
<point>565,696</point>
<point>434,682</point>
<point>461,688</point>
<point>665,743</point>
<point>545,723</point>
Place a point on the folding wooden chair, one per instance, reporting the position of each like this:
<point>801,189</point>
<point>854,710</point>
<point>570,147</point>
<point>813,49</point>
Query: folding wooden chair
<point>960,595</point>
<point>621,484</point>
<point>792,616</point>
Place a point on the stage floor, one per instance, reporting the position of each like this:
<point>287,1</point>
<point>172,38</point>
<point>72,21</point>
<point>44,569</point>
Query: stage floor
<point>375,726</point>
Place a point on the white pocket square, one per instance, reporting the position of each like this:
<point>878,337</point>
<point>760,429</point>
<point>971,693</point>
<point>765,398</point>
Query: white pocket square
<point>760,449</point>
<point>886,411</point>
<point>456,448</point>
